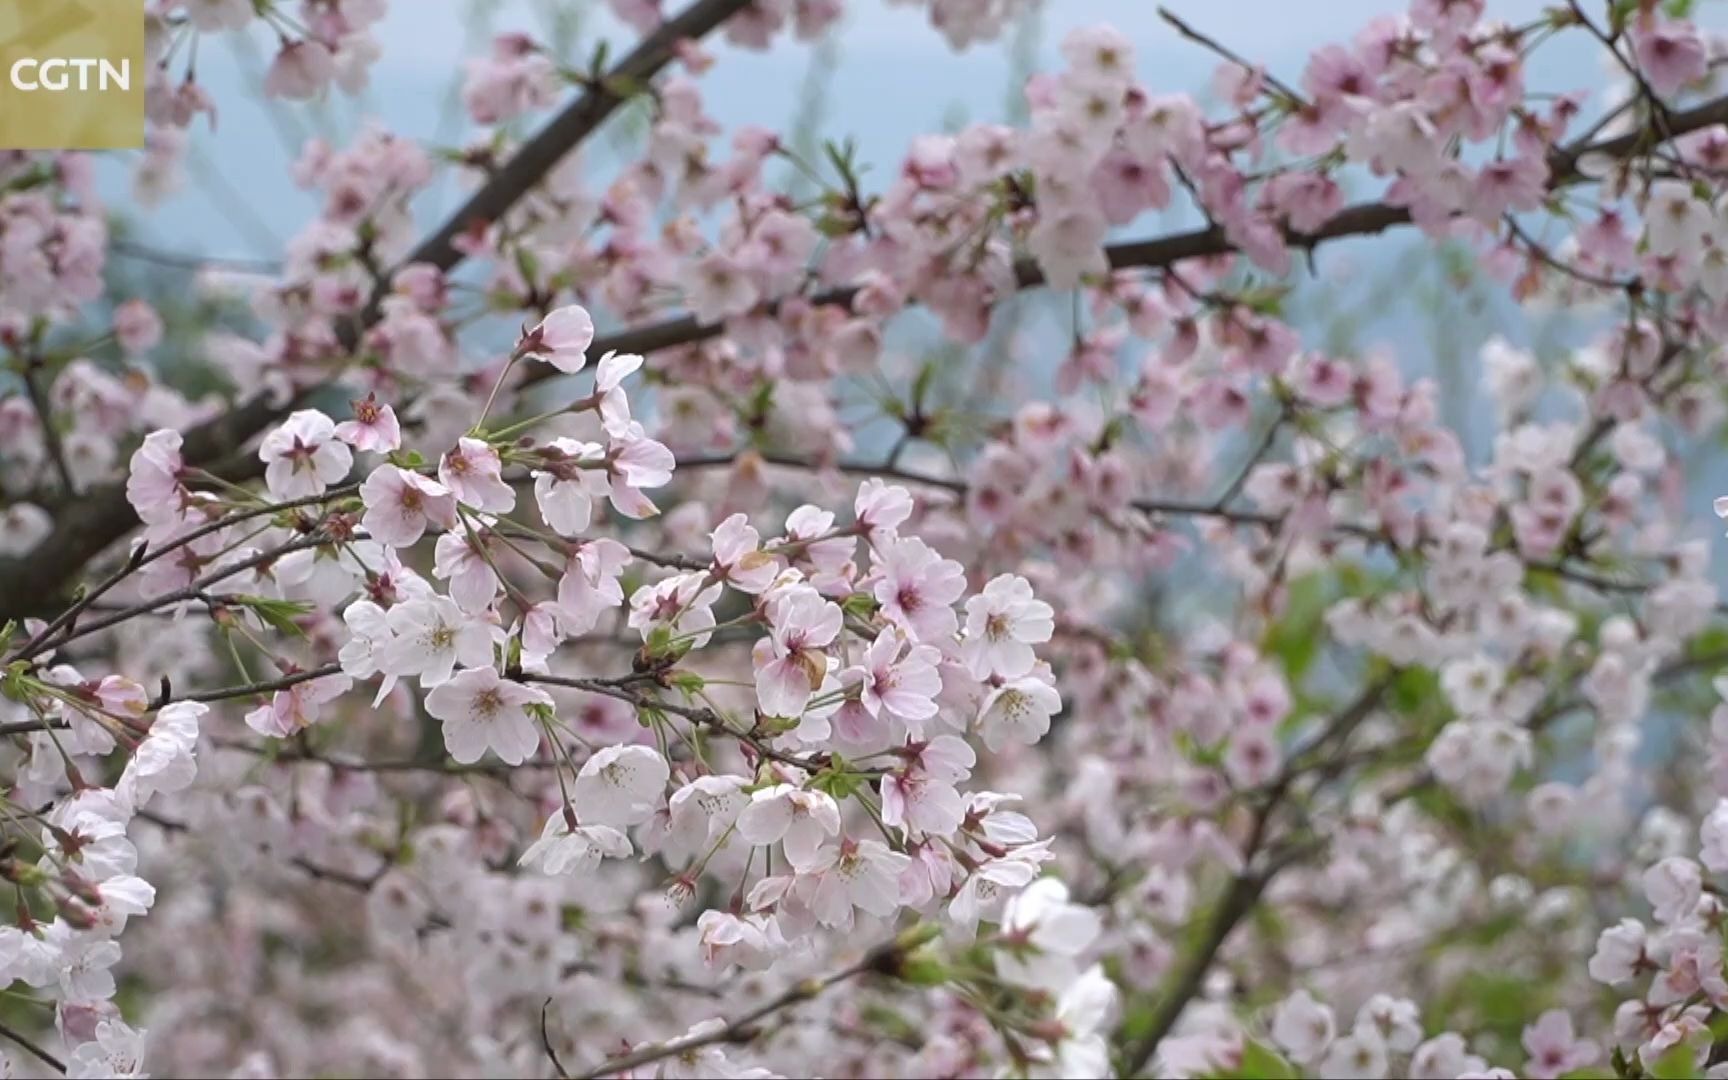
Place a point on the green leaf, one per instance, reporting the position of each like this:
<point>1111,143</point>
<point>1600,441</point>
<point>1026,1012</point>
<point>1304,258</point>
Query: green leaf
<point>838,780</point>
<point>1619,14</point>
<point>528,265</point>
<point>1259,1062</point>
<point>687,682</point>
<point>279,614</point>
<point>859,606</point>
<point>921,384</point>
<point>12,682</point>
<point>1296,637</point>
<point>1679,1063</point>
<point>1414,687</point>
<point>662,649</point>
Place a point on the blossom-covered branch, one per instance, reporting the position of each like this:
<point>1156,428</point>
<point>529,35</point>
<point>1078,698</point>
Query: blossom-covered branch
<point>1106,626</point>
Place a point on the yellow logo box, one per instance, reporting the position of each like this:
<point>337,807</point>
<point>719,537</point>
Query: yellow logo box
<point>72,74</point>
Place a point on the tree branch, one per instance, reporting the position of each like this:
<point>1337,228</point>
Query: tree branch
<point>704,717</point>
<point>1362,219</point>
<point>883,959</point>
<point>537,157</point>
<point>27,1043</point>
<point>45,417</point>
<point>1243,892</point>
<point>144,557</point>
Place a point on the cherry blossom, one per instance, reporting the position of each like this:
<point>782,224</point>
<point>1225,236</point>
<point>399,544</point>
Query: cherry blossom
<point>373,428</point>
<point>566,849</point>
<point>561,339</point>
<point>792,665</point>
<point>401,504</point>
<point>472,471</point>
<point>566,489</point>
<point>800,819</point>
<point>483,712</point>
<point>429,637</point>
<point>620,785</point>
<point>303,457</point>
<point>1002,624</point>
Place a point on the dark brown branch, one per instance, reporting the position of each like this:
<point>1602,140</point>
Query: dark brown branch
<point>179,260</point>
<point>1218,47</point>
<point>27,1043</point>
<point>1244,890</point>
<point>568,129</point>
<point>316,871</point>
<point>145,556</point>
<point>194,591</point>
<point>285,682</point>
<point>546,1042</point>
<point>702,716</point>
<point>1170,507</point>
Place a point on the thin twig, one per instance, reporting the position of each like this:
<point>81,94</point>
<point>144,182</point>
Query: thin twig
<point>269,687</point>
<point>196,590</point>
<point>1249,466</point>
<point>1218,47</point>
<point>29,1044</point>
<point>883,959</point>
<point>144,556</point>
<point>705,717</point>
<point>546,1042</point>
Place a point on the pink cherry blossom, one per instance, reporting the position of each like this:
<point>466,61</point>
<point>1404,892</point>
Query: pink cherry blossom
<point>303,457</point>
<point>401,504</point>
<point>373,428</point>
<point>482,712</point>
<point>473,472</point>
<point>561,339</point>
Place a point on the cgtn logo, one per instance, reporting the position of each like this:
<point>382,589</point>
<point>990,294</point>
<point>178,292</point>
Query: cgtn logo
<point>60,74</point>
<point>72,74</point>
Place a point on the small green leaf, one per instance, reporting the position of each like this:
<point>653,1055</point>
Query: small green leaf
<point>838,780</point>
<point>1679,1063</point>
<point>688,682</point>
<point>860,606</point>
<point>279,614</point>
<point>1259,1062</point>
